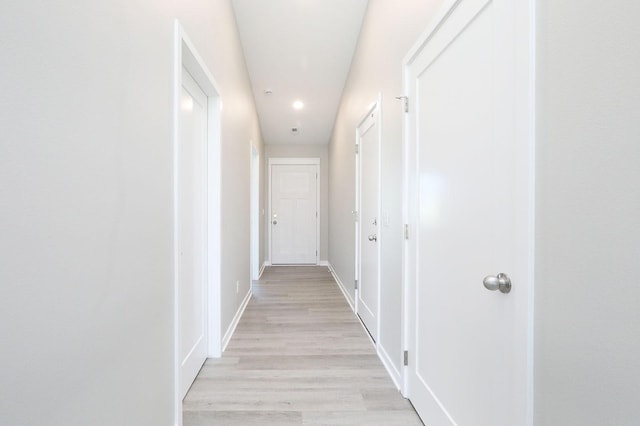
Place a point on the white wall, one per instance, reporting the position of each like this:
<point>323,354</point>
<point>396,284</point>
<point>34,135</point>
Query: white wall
<point>303,151</point>
<point>86,203</point>
<point>588,209</point>
<point>388,32</point>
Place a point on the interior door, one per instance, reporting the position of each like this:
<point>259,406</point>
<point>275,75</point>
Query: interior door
<point>294,214</point>
<point>191,218</point>
<point>368,138</point>
<point>469,210</point>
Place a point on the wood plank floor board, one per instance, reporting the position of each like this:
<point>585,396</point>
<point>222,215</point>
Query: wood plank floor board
<point>361,418</point>
<point>300,357</point>
<point>239,418</point>
<point>233,374</point>
<point>369,385</point>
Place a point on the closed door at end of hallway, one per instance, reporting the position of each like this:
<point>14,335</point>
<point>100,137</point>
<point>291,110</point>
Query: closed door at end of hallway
<point>294,214</point>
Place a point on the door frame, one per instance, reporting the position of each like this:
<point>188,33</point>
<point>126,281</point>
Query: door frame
<point>186,55</point>
<point>255,212</point>
<point>297,162</point>
<point>524,21</point>
<point>376,106</point>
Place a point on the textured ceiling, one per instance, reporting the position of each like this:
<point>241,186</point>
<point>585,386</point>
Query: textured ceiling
<point>300,50</point>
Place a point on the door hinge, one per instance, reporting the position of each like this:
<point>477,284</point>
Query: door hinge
<point>356,287</point>
<point>357,149</point>
<point>406,231</point>
<point>406,358</point>
<point>405,102</point>
<point>316,215</point>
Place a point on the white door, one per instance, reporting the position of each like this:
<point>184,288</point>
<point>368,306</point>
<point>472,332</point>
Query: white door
<point>294,214</point>
<point>368,222</point>
<point>191,244</point>
<point>470,215</point>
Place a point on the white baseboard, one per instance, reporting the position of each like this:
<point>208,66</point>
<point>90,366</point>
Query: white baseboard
<point>236,320</point>
<point>342,287</point>
<point>262,268</point>
<point>386,360</point>
<point>396,376</point>
<point>323,263</point>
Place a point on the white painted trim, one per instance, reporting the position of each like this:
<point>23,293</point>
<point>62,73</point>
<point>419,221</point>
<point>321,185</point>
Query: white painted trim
<point>323,263</point>
<point>186,55</point>
<point>351,303</point>
<point>236,320</point>
<point>445,10</point>
<point>262,268</point>
<point>298,264</point>
<point>396,376</point>
<point>366,332</point>
<point>526,33</point>
<point>380,219</point>
<point>388,363</point>
<point>296,161</point>
<point>342,288</point>
<point>254,203</point>
<point>404,311</point>
<point>177,81</point>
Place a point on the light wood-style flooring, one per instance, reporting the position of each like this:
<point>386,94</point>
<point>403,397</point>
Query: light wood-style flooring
<point>298,357</point>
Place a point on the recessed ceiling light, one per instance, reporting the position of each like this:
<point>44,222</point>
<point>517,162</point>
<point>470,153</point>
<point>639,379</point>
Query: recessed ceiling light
<point>298,105</point>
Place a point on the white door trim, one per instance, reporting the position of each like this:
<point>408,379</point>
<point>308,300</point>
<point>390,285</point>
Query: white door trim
<point>297,161</point>
<point>186,55</point>
<point>525,132</point>
<point>255,212</point>
<point>376,107</point>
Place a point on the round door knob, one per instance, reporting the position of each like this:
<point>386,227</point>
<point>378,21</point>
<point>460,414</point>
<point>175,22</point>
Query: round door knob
<point>499,282</point>
<point>373,237</point>
<point>275,222</point>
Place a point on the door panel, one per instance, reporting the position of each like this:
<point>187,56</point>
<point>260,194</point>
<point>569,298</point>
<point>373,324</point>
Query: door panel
<point>468,366</point>
<point>369,222</point>
<point>191,212</point>
<point>294,212</point>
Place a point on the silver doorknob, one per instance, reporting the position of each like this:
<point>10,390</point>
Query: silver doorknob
<point>275,222</point>
<point>500,282</point>
<point>373,237</point>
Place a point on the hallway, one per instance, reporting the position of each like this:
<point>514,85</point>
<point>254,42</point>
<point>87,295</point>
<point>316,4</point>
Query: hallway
<point>298,357</point>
